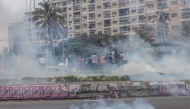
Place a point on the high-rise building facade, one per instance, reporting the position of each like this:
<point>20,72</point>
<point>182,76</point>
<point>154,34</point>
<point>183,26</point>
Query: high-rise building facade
<point>119,16</point>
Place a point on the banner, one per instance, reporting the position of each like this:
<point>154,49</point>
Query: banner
<point>172,87</point>
<point>27,91</point>
<point>154,88</point>
<point>45,90</point>
<point>17,91</point>
<point>63,93</point>
<point>1,92</point>
<point>54,91</point>
<point>8,91</point>
<point>181,87</point>
<point>36,91</point>
<point>73,90</point>
<point>163,87</point>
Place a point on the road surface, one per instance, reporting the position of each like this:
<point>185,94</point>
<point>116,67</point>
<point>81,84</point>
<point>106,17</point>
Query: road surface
<point>182,102</point>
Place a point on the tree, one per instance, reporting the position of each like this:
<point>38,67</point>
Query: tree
<point>49,18</point>
<point>85,45</point>
<point>146,32</point>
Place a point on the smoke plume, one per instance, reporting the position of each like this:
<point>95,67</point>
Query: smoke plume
<point>137,104</point>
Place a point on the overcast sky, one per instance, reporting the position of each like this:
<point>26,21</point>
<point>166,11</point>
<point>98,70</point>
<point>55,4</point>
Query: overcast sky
<point>11,11</point>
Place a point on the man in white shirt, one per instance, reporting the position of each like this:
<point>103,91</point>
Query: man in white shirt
<point>94,59</point>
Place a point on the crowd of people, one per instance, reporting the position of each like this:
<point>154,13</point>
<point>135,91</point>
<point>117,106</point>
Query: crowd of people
<point>101,62</point>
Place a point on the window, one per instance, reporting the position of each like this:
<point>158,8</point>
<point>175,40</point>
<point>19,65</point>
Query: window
<point>114,13</point>
<point>141,18</point>
<point>69,8</point>
<point>174,2</point>
<point>141,9</point>
<point>174,14</point>
<point>84,9</point>
<point>69,2</point>
<point>100,23</point>
<point>70,15</point>
<point>70,21</point>
<point>99,15</point>
<point>133,1</point>
<point>150,17</point>
<point>99,32</point>
<point>70,35</point>
<point>98,7</point>
<point>114,22</point>
<point>70,28</point>
<point>134,19</point>
<point>174,27</point>
<point>133,10</point>
<point>114,4</point>
<point>84,17</point>
<point>114,31</point>
<point>84,0</point>
<point>150,5</point>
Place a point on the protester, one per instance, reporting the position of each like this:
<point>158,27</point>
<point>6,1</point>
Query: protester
<point>117,58</point>
<point>108,61</point>
<point>79,62</point>
<point>94,59</point>
<point>101,61</point>
<point>123,58</point>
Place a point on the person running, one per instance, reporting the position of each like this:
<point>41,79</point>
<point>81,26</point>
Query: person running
<point>94,59</point>
<point>123,58</point>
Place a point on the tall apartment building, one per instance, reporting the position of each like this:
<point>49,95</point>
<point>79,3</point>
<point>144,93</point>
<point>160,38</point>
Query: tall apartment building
<point>15,33</point>
<point>118,16</point>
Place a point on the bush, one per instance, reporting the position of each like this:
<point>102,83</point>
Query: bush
<point>73,78</point>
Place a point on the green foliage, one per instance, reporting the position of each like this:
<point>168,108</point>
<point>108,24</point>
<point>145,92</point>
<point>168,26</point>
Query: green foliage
<point>73,78</point>
<point>86,45</point>
<point>146,32</point>
<point>49,18</point>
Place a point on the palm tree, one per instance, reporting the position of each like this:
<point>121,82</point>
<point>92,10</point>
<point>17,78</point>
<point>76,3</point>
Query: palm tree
<point>49,18</point>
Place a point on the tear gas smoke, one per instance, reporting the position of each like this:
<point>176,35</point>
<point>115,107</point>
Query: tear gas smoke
<point>175,65</point>
<point>137,104</point>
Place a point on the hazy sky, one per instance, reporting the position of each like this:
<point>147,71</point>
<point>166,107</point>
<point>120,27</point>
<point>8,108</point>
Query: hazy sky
<point>11,11</point>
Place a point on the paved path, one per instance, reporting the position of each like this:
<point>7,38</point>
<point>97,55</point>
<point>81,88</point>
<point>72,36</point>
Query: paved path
<point>182,102</point>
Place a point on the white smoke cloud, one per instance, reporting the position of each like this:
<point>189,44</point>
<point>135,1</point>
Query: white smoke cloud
<point>137,104</point>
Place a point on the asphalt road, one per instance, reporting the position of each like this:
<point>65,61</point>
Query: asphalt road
<point>182,102</point>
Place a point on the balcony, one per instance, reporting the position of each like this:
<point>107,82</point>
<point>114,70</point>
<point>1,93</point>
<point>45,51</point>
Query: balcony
<point>92,32</point>
<point>126,21</point>
<point>92,8</point>
<point>76,22</point>
<point>140,1</point>
<point>91,16</point>
<point>123,12</point>
<point>107,5</point>
<point>64,4</point>
<point>76,8</point>
<point>107,23</point>
<point>91,1</point>
<point>107,31</point>
<point>77,28</point>
<point>76,2</point>
<point>106,15</point>
<point>65,16</point>
<point>92,25</point>
<point>64,10</point>
<point>124,30</point>
<point>77,14</point>
<point>123,3</point>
